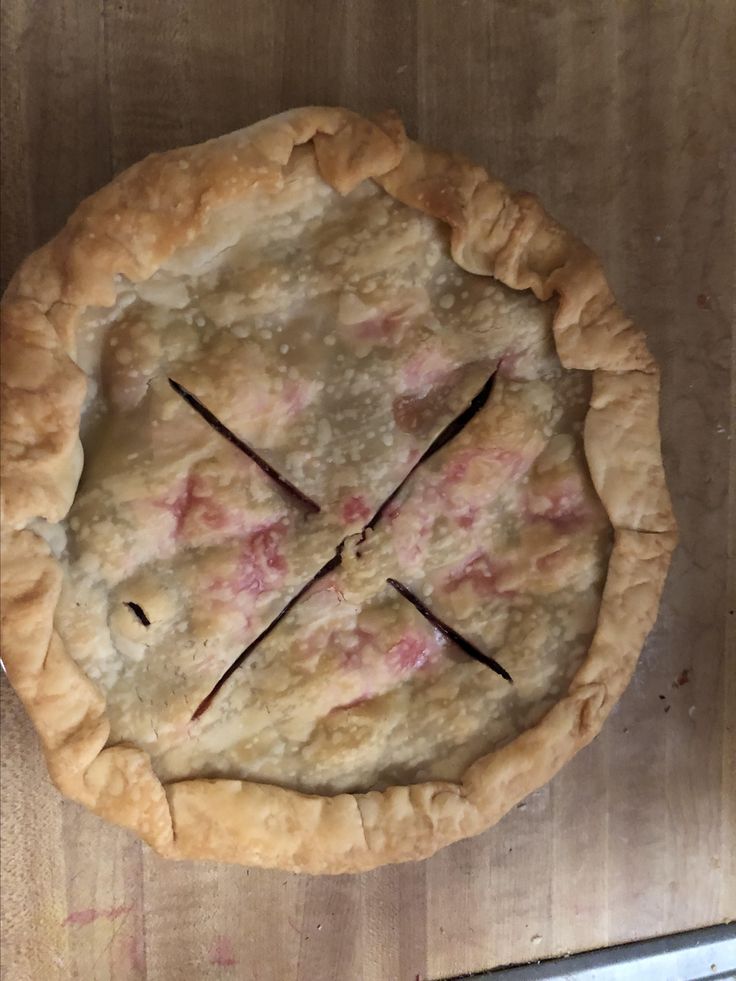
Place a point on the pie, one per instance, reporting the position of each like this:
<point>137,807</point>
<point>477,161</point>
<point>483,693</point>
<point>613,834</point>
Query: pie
<point>334,517</point>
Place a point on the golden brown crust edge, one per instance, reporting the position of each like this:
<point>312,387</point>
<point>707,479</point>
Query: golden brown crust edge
<point>162,203</point>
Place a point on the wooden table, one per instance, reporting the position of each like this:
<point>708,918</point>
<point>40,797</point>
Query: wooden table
<point>617,114</point>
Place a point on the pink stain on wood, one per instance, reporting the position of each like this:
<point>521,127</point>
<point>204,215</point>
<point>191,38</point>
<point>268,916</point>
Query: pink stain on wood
<point>136,953</point>
<point>83,917</point>
<point>222,953</point>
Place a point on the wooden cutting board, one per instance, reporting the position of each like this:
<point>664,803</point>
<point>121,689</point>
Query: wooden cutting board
<point>617,114</point>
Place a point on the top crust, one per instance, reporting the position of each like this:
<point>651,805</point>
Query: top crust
<point>128,229</point>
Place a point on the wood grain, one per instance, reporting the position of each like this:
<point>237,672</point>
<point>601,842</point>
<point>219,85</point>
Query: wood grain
<point>619,113</point>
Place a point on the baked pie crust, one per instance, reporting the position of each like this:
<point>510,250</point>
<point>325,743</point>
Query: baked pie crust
<point>265,338</point>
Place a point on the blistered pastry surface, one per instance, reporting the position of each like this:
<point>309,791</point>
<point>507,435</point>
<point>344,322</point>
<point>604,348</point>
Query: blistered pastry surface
<point>336,337</point>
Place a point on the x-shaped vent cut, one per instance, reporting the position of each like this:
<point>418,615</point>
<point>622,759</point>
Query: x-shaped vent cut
<point>449,432</point>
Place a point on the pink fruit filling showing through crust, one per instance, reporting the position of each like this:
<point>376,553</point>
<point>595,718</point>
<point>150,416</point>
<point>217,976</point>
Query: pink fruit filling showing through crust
<point>195,509</point>
<point>467,518</point>
<point>296,395</point>
<point>425,369</point>
<point>428,383</point>
<point>564,503</point>
<point>508,365</point>
<point>392,511</point>
<point>410,653</point>
<point>385,328</point>
<point>451,492</point>
<point>355,508</point>
<point>261,565</point>
<point>195,505</point>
